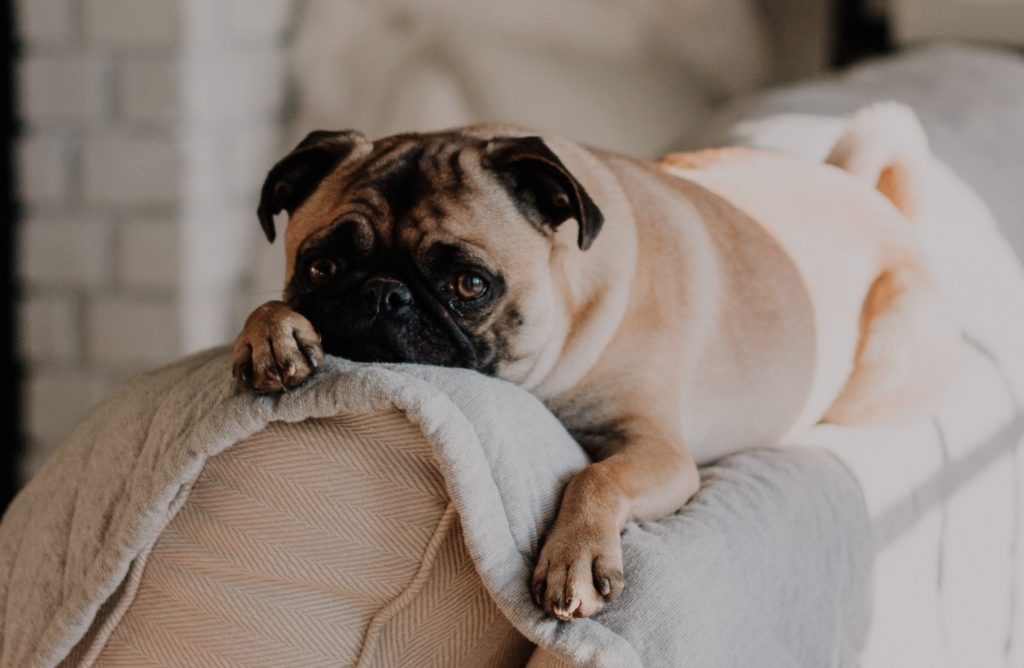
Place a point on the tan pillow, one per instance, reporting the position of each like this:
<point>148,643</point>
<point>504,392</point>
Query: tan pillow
<point>321,543</point>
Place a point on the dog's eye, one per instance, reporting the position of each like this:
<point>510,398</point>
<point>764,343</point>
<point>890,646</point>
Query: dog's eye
<point>321,270</point>
<point>468,286</point>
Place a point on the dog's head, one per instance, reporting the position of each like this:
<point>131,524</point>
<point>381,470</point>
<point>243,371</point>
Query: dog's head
<point>431,248</point>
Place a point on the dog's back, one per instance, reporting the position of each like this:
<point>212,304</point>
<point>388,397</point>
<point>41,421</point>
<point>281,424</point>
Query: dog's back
<point>842,235</point>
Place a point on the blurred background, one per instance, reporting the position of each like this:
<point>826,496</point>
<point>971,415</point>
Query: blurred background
<point>136,134</point>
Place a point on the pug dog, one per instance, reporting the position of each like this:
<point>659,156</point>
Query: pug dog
<point>668,313</point>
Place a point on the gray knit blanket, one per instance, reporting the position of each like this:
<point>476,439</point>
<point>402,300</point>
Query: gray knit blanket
<point>766,566</point>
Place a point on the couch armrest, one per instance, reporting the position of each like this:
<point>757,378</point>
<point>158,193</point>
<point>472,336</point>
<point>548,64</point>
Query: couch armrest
<point>323,542</point>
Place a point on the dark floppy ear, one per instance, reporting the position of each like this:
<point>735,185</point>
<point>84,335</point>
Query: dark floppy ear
<point>298,174</point>
<point>542,185</point>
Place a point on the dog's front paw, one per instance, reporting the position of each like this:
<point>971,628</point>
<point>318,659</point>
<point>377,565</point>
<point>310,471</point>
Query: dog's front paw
<point>276,350</point>
<point>579,570</point>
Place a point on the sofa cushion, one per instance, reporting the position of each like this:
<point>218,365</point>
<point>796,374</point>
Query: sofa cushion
<point>259,567</point>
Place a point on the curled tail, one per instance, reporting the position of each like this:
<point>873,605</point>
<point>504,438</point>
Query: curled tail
<point>885,145</point>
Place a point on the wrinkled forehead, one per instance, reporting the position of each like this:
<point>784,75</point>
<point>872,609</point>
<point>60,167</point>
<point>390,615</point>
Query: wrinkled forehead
<point>406,185</point>
<point>385,183</point>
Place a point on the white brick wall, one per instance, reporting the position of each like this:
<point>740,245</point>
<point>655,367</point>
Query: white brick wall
<point>46,21</point>
<point>45,164</point>
<point>132,332</point>
<point>234,102</point>
<point>49,329</point>
<point>70,88</point>
<point>148,255</point>
<point>139,24</point>
<point>131,170</point>
<point>110,191</point>
<point>64,253</point>
<point>147,91</point>
<point>57,400</point>
<point>99,175</point>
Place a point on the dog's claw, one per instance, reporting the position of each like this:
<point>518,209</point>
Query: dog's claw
<point>566,612</point>
<point>243,372</point>
<point>312,356</point>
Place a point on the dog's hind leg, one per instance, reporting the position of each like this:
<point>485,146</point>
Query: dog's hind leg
<point>906,355</point>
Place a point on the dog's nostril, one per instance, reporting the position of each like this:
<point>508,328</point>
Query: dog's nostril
<point>398,297</point>
<point>385,295</point>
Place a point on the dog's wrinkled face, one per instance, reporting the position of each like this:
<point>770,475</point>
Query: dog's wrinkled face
<point>428,248</point>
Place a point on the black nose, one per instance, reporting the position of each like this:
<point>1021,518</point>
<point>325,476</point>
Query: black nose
<point>381,296</point>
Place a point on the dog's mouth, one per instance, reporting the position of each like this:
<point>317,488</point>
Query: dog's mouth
<point>409,337</point>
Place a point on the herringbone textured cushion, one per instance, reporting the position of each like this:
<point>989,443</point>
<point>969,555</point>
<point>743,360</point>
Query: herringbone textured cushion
<point>322,543</point>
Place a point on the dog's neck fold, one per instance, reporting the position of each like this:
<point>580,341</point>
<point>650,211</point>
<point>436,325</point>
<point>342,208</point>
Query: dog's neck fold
<point>593,285</point>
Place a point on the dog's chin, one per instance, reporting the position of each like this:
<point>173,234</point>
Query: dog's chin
<point>366,350</point>
<point>384,342</point>
<point>383,339</point>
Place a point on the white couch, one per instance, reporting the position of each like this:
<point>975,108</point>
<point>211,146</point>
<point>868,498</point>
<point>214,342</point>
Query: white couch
<point>177,527</point>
